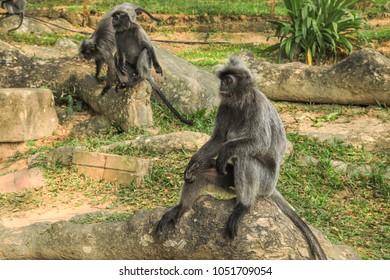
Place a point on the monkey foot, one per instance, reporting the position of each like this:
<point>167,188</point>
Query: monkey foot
<point>172,215</point>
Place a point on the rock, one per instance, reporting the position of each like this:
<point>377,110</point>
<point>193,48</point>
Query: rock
<point>176,141</point>
<point>186,86</point>
<point>121,109</point>
<point>370,133</point>
<point>26,114</point>
<point>73,77</point>
<point>265,233</point>
<point>22,180</point>
<point>122,169</point>
<point>363,78</point>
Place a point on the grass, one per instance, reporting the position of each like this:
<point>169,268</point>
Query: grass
<point>48,39</point>
<point>350,208</point>
<point>209,56</point>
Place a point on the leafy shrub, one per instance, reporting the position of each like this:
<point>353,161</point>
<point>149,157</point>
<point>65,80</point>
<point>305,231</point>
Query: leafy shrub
<point>318,29</point>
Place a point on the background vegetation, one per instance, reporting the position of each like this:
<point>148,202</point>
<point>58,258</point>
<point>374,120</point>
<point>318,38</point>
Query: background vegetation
<point>351,208</point>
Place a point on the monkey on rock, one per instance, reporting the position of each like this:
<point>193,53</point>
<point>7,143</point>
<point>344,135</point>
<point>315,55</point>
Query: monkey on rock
<point>248,142</point>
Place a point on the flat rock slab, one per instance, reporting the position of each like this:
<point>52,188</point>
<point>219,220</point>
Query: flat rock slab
<point>113,168</point>
<point>21,180</point>
<point>26,114</point>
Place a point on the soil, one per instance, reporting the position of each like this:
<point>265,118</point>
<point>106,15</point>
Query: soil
<point>300,118</point>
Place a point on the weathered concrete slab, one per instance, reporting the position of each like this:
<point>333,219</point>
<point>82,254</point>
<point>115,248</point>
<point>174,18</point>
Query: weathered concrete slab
<point>114,168</point>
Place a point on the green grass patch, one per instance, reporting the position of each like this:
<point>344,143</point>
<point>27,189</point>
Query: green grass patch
<point>209,56</point>
<point>350,208</point>
<point>378,35</point>
<point>48,39</point>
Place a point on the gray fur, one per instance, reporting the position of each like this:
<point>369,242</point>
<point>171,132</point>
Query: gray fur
<point>135,56</point>
<point>249,133</point>
<point>100,46</point>
<point>14,7</point>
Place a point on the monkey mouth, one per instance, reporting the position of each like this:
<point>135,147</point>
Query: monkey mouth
<point>225,93</point>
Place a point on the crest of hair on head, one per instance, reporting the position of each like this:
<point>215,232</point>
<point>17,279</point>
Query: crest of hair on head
<point>235,67</point>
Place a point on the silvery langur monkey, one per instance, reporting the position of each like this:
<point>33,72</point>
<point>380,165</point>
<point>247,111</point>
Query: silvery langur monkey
<point>134,57</point>
<point>248,133</point>
<point>14,7</point>
<point>100,46</point>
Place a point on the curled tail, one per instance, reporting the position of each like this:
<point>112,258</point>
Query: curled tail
<point>300,224</point>
<point>166,102</point>
<point>20,23</point>
<point>140,10</point>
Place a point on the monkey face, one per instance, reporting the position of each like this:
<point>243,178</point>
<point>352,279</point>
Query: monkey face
<point>88,49</point>
<point>228,83</point>
<point>121,21</point>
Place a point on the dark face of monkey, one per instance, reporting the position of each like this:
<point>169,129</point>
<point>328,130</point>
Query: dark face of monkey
<point>235,81</point>
<point>121,21</point>
<point>88,49</point>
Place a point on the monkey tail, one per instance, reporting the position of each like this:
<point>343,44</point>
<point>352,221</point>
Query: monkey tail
<point>301,224</point>
<point>59,26</point>
<point>141,10</point>
<point>169,105</point>
<point>20,23</point>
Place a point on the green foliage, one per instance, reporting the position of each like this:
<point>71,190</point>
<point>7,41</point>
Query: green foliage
<point>317,29</point>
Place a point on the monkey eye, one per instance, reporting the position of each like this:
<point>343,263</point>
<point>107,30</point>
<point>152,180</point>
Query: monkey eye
<point>228,79</point>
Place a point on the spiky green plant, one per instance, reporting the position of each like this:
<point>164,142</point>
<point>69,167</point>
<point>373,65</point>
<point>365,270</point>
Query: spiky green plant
<point>317,29</point>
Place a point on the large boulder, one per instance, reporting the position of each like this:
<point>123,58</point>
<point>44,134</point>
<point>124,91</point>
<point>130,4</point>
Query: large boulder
<point>363,78</point>
<point>185,85</point>
<point>26,114</point>
<point>265,233</point>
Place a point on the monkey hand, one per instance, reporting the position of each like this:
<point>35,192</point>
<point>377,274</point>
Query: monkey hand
<point>122,70</point>
<point>221,163</point>
<point>189,176</point>
<point>159,70</point>
<point>120,86</point>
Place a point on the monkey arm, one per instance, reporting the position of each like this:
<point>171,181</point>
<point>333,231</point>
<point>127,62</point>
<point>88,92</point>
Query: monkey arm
<point>147,45</point>
<point>120,62</point>
<point>245,146</point>
<point>201,157</point>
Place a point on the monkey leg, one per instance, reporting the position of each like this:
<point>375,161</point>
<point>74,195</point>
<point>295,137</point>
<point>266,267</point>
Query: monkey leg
<point>131,78</point>
<point>205,176</point>
<point>110,78</point>
<point>98,67</point>
<point>6,15</point>
<point>249,175</point>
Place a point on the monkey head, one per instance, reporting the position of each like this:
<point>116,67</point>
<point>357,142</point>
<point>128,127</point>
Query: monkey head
<point>88,49</point>
<point>121,21</point>
<point>235,78</point>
